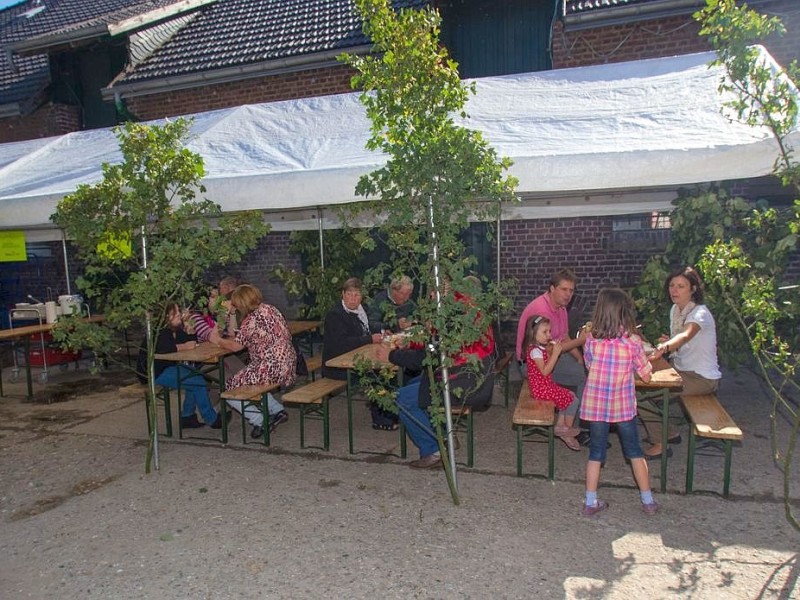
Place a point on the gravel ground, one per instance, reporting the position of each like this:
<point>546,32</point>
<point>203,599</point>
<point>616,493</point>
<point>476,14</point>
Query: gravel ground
<point>81,519</point>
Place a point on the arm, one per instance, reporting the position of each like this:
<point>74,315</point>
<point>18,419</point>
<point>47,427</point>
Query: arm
<point>229,343</point>
<point>677,340</point>
<point>547,367</point>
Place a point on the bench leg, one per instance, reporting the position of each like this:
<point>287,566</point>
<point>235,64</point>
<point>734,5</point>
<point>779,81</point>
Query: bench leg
<point>168,411</point>
<point>519,451</point>
<point>506,377</point>
<point>223,406</point>
<point>551,453</point>
<point>267,418</point>
<point>690,461</point>
<point>403,444</point>
<point>726,486</point>
<point>326,424</point>
<point>470,441</point>
<point>302,425</point>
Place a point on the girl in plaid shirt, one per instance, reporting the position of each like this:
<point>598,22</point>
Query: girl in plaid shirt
<point>613,354</point>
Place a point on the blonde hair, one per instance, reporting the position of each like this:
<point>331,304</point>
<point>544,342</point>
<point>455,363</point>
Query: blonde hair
<point>614,314</point>
<point>246,298</point>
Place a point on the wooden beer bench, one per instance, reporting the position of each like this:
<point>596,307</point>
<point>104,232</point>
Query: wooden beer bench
<point>708,419</point>
<point>534,418</point>
<point>247,394</point>
<point>312,400</point>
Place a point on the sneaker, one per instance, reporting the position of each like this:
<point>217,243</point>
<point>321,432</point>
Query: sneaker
<point>427,462</point>
<point>257,432</point>
<point>277,419</point>
<point>590,511</point>
<point>191,422</point>
<point>651,508</point>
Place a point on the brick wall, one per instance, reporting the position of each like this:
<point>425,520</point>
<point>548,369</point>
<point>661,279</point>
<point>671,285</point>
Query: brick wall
<point>301,84</point>
<point>49,120</point>
<point>662,37</point>
<point>631,41</point>
<point>533,250</point>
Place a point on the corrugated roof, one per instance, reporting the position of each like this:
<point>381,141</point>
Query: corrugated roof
<point>234,33</point>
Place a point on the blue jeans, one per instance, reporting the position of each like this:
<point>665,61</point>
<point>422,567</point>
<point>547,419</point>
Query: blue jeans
<point>416,420</point>
<point>194,390</point>
<point>628,436</point>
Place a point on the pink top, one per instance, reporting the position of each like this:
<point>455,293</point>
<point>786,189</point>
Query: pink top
<point>543,306</point>
<point>610,392</point>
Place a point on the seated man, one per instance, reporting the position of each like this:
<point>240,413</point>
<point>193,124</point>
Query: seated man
<point>391,309</point>
<point>468,386</point>
<point>569,370</point>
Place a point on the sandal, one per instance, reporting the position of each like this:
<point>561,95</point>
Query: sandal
<point>571,443</point>
<point>386,426</point>
<point>566,431</point>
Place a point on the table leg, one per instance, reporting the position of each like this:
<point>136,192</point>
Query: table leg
<point>664,439</point>
<point>349,411</point>
<point>26,344</point>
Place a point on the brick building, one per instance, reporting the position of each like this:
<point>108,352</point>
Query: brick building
<point>67,69</point>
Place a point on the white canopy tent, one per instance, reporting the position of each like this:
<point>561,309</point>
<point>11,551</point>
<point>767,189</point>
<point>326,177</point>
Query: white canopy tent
<point>620,137</point>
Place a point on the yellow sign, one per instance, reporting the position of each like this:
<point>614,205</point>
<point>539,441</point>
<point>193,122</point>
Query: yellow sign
<point>12,246</point>
<point>115,247</point>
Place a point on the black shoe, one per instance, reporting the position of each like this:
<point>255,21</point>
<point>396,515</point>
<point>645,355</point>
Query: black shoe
<point>217,424</point>
<point>191,422</point>
<point>257,432</point>
<point>277,419</point>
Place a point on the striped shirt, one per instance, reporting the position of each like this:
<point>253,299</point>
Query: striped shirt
<point>610,393</point>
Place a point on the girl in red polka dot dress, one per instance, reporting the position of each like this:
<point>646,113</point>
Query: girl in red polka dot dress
<point>541,361</point>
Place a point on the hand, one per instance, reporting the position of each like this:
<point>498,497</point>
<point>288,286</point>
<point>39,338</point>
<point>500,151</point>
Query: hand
<point>556,348</point>
<point>404,323</point>
<point>377,338</point>
<point>382,353</point>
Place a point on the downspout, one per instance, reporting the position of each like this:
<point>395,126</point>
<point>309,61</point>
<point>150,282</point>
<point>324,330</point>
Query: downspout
<point>123,114</point>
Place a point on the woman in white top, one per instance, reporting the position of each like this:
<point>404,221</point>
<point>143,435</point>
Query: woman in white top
<point>691,343</point>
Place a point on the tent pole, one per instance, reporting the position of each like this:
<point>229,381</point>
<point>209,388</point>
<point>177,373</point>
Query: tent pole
<point>497,274</point>
<point>66,260</point>
<point>321,246</point>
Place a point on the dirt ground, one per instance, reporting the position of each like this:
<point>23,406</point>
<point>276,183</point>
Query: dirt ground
<point>81,519</point>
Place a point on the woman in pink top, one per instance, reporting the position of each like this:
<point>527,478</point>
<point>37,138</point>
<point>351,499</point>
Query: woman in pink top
<point>613,354</point>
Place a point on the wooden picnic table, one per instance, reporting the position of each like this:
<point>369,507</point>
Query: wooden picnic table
<point>302,327</point>
<point>374,353</point>
<point>204,353</point>
<point>667,380</point>
<point>25,333</point>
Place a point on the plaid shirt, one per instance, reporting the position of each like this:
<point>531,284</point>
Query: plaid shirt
<point>610,393</point>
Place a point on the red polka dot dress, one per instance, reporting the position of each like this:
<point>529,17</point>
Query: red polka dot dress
<point>542,386</point>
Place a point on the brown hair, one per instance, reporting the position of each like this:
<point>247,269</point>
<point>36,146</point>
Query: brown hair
<point>353,283</point>
<point>693,277</point>
<point>246,298</point>
<point>532,327</point>
<point>614,314</point>
<point>563,275</point>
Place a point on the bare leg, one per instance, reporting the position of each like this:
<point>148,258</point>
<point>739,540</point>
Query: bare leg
<point>593,474</point>
<point>640,473</point>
